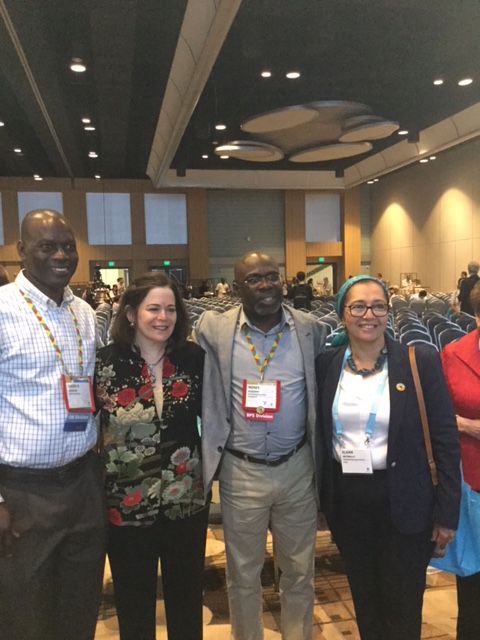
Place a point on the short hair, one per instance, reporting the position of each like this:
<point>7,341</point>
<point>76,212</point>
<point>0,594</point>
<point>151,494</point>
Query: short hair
<point>473,267</point>
<point>301,275</point>
<point>123,333</point>
<point>475,299</point>
<point>422,294</point>
<point>4,279</point>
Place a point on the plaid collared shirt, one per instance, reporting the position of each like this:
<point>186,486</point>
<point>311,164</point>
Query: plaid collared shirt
<point>32,409</point>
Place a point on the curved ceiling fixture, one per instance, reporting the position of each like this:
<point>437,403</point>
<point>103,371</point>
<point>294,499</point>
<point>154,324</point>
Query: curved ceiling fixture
<point>362,128</point>
<point>250,150</point>
<point>279,119</point>
<point>331,152</point>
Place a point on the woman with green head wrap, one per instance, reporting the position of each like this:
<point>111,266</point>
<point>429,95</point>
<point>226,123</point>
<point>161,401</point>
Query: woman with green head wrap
<point>376,490</point>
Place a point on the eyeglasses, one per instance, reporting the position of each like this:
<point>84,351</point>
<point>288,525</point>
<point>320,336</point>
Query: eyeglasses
<point>358,310</point>
<point>253,281</point>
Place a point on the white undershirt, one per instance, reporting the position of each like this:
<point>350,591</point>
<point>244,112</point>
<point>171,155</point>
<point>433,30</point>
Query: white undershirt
<point>354,404</point>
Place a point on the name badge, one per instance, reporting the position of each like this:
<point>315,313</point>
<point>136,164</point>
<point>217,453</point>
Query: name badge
<point>78,394</point>
<point>357,461</point>
<point>260,400</point>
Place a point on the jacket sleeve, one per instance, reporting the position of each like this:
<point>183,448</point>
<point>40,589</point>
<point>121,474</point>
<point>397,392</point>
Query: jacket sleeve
<point>444,437</point>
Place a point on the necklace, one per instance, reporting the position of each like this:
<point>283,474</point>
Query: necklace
<point>151,369</point>
<point>368,372</point>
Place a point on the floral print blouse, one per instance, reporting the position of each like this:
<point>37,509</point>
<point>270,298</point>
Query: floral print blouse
<point>153,463</point>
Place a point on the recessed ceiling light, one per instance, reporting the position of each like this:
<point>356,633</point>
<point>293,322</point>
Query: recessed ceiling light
<point>18,150</point>
<point>220,127</point>
<point>205,156</point>
<point>77,65</point>
<point>375,179</point>
<point>369,181</point>
<point>215,142</point>
<point>464,82</point>
<point>92,154</point>
<point>423,160</point>
<point>438,81</point>
<point>2,124</point>
<point>37,177</point>
<point>293,75</point>
<point>224,157</point>
<point>97,177</point>
<point>89,127</point>
<point>433,158</point>
<point>86,120</point>
<point>403,132</point>
<point>266,74</point>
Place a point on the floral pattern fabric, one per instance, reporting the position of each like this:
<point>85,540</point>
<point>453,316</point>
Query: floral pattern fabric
<point>152,462</point>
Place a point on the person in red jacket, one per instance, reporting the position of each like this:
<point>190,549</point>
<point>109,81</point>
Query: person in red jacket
<point>461,365</point>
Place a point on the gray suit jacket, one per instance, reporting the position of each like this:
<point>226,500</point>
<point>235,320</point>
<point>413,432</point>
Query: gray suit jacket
<point>215,332</point>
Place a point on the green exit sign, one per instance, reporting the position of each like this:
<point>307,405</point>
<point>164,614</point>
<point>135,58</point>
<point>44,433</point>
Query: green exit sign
<point>321,259</point>
<point>166,263</point>
<point>111,263</point>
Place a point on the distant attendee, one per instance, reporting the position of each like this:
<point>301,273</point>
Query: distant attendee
<point>4,279</point>
<point>204,289</point>
<point>222,289</point>
<point>463,275</point>
<point>395,294</point>
<point>326,287</point>
<point>421,295</point>
<point>120,286</point>
<point>380,277</point>
<point>302,293</point>
<point>408,285</point>
<point>466,287</point>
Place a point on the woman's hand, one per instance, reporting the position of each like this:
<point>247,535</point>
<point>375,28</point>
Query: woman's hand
<point>468,426</point>
<point>442,536</point>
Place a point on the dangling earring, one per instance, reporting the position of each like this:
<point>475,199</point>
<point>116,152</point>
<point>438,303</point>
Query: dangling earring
<point>132,324</point>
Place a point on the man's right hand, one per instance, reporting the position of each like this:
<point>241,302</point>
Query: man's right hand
<point>6,534</point>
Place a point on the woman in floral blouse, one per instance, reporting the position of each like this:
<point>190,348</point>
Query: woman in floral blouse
<point>148,385</point>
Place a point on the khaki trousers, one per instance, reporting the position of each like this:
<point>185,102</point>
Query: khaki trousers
<point>253,498</point>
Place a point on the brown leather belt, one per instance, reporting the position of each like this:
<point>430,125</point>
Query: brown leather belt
<point>268,463</point>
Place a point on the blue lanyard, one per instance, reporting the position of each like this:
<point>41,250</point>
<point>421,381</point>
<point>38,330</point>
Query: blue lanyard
<point>382,381</point>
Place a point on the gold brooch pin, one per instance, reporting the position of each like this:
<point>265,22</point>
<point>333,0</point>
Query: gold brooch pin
<point>400,386</point>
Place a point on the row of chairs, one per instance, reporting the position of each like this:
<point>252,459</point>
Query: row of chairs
<point>433,328</point>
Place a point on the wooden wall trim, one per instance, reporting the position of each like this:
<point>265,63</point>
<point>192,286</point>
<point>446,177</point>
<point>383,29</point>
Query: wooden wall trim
<point>197,230</point>
<point>295,247</point>
<point>352,232</point>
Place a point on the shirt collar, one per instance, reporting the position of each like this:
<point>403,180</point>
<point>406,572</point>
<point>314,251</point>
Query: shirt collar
<point>39,298</point>
<point>285,321</point>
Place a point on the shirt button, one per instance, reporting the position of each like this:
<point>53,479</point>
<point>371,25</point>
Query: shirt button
<point>219,449</point>
<point>394,464</point>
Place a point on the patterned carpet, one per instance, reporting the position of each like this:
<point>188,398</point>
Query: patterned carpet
<point>333,610</point>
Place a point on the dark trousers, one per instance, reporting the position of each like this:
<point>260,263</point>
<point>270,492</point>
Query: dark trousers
<point>386,569</point>
<point>468,597</point>
<point>133,553</point>
<point>50,588</point>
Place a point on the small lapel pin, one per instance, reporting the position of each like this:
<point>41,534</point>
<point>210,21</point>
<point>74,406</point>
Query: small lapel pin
<point>400,386</point>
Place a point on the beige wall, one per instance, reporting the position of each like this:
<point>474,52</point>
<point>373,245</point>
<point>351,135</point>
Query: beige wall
<point>426,219</point>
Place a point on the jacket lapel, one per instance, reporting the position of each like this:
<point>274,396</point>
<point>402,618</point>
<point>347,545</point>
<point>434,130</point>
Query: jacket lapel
<point>225,338</point>
<point>399,381</point>
<point>330,381</point>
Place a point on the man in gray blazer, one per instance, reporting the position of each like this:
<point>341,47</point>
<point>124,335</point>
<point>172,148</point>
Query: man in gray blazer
<point>258,426</point>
